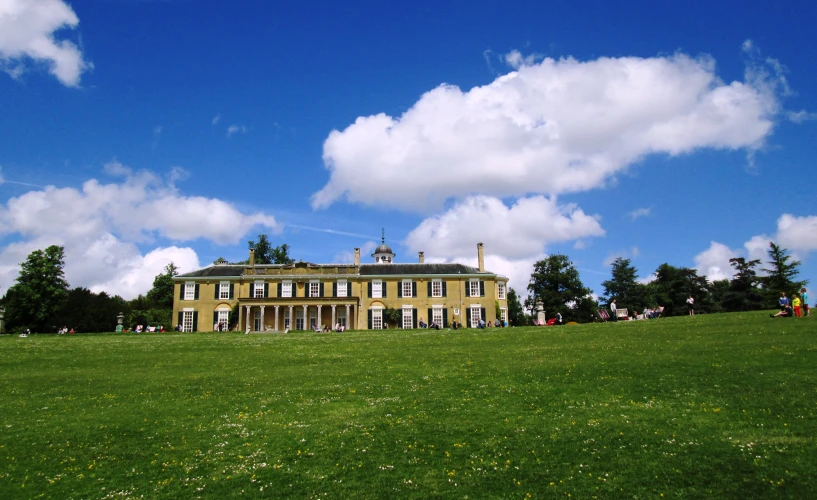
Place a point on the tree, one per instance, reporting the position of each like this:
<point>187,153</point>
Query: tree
<point>780,276</point>
<point>516,314</point>
<point>744,293</point>
<point>265,253</point>
<point>623,286</point>
<point>85,311</point>
<point>161,295</point>
<point>672,286</point>
<point>556,283</point>
<point>40,291</point>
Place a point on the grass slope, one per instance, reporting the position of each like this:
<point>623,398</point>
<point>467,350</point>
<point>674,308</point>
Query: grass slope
<point>719,406</point>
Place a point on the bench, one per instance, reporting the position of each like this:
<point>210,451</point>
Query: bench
<point>622,315</point>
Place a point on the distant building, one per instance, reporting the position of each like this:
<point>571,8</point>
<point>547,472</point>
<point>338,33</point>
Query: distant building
<point>301,296</point>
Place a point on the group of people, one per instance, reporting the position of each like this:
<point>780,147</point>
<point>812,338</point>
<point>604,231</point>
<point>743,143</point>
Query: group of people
<point>796,307</point>
<point>64,330</point>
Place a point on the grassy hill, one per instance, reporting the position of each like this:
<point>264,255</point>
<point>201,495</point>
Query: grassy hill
<point>718,406</point>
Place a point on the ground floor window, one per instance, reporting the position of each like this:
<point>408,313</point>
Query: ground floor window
<point>377,319</point>
<point>342,317</point>
<point>286,322</point>
<point>299,319</point>
<point>187,321</point>
<point>504,312</point>
<point>313,317</point>
<point>475,316</point>
<point>224,319</point>
<point>408,321</point>
<point>257,323</point>
<point>437,316</point>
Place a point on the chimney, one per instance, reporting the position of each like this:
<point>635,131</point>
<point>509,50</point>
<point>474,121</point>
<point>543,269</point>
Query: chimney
<point>481,257</point>
<point>252,257</point>
<point>357,256</point>
<point>422,257</point>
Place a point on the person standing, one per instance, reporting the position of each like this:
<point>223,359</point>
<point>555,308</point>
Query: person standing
<point>783,300</point>
<point>796,304</point>
<point>691,305</point>
<point>804,296</point>
<point>613,309</point>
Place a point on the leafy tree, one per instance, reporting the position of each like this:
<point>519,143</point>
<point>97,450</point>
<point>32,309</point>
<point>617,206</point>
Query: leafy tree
<point>516,314</point>
<point>623,286</point>
<point>393,317</point>
<point>265,253</point>
<point>40,291</point>
<point>161,295</point>
<point>780,277</point>
<point>556,282</point>
<point>744,293</point>
<point>85,311</point>
<point>673,285</point>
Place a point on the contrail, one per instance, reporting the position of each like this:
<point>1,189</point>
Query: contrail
<point>329,231</point>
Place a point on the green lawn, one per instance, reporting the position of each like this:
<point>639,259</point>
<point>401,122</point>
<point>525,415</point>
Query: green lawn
<point>719,406</point>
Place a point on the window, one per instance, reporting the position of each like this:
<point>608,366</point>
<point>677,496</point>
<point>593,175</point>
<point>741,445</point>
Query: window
<point>476,314</point>
<point>314,289</point>
<point>286,322</point>
<point>408,319</point>
<point>187,321</point>
<point>500,290</point>
<point>504,313</point>
<point>259,290</point>
<point>342,317</point>
<point>474,288</point>
<point>190,293</point>
<point>286,289</point>
<point>377,289</point>
<point>437,316</point>
<point>223,319</point>
<point>299,319</point>
<point>407,289</point>
<point>313,317</point>
<point>257,326</point>
<point>342,288</point>
<point>437,288</point>
<point>224,290</point>
<point>377,319</point>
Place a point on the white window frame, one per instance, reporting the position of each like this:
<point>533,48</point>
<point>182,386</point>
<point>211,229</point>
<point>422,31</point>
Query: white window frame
<point>342,288</point>
<point>314,288</point>
<point>187,321</point>
<point>342,316</point>
<point>437,288</point>
<point>190,291</point>
<point>504,314</point>
<point>474,284</point>
<point>377,289</point>
<point>257,321</point>
<point>286,289</point>
<point>259,290</point>
<point>476,315</point>
<point>223,318</point>
<point>437,316</point>
<point>408,291</point>
<point>224,290</point>
<point>377,318</point>
<point>299,319</point>
<point>408,318</point>
<point>313,317</point>
<point>501,290</point>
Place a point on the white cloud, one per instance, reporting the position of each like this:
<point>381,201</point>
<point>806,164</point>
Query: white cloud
<point>714,262</point>
<point>801,116</point>
<point>553,127</point>
<point>516,60</point>
<point>639,212</point>
<point>100,224</point>
<point>27,30</point>
<point>624,254</point>
<point>216,119</point>
<point>797,233</point>
<point>234,129</point>
<point>519,231</point>
<point>757,248</point>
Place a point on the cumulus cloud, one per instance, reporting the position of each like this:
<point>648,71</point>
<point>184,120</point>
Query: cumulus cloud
<point>797,233</point>
<point>516,60</point>
<point>519,231</point>
<point>639,212</point>
<point>714,262</point>
<point>27,30</point>
<point>551,127</point>
<point>100,225</point>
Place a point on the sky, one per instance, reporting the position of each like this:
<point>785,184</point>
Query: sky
<point>137,132</point>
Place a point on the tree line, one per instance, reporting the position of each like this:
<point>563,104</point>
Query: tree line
<point>42,301</point>
<point>556,282</point>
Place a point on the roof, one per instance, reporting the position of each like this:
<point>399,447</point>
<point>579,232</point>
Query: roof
<point>215,271</point>
<point>392,269</point>
<point>382,248</point>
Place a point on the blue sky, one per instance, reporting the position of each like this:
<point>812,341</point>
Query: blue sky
<point>139,132</point>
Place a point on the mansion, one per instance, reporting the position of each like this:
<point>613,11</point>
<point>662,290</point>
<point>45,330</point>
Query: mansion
<point>305,296</point>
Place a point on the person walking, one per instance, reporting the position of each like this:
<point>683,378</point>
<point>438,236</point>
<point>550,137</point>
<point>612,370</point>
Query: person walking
<point>691,305</point>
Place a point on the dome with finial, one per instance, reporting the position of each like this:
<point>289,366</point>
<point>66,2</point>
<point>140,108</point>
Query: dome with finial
<point>383,254</point>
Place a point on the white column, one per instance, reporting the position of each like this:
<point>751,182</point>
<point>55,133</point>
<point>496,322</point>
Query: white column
<point>332,326</point>
<point>263,327</point>
<point>247,311</point>
<point>276,319</point>
<point>349,318</point>
<point>306,318</point>
<point>319,315</point>
<point>291,318</point>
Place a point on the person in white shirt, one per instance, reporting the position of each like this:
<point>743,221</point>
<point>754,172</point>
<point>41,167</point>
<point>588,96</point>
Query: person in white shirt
<point>691,305</point>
